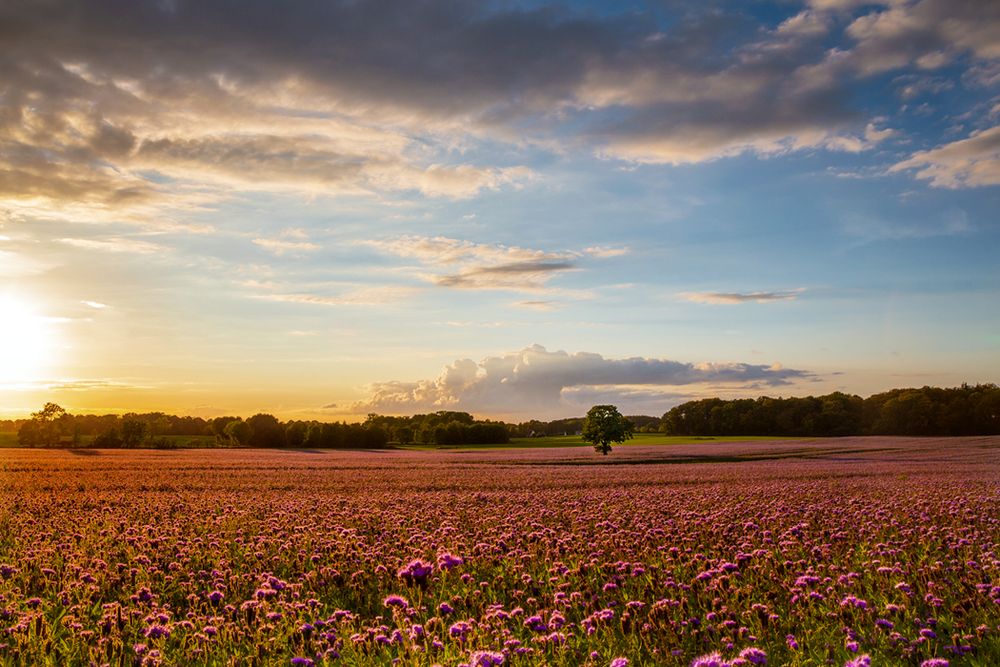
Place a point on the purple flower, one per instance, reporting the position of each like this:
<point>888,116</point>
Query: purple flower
<point>447,561</point>
<point>934,662</point>
<point>415,572</point>
<point>302,662</point>
<point>754,656</point>
<point>459,629</point>
<point>485,659</point>
<point>709,660</point>
<point>619,662</point>
<point>863,660</point>
<point>396,601</point>
<point>535,623</point>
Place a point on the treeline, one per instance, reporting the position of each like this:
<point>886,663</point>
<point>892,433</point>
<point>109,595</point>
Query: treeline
<point>52,426</point>
<point>965,410</point>
<point>441,428</point>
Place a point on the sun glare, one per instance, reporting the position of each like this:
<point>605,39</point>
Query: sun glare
<point>25,341</point>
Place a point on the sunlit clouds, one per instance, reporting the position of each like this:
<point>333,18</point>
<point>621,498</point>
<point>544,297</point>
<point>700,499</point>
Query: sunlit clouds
<point>400,185</point>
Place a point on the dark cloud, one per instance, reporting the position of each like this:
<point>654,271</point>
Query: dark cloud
<point>358,96</point>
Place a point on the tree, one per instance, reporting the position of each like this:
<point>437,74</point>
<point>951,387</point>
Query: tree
<point>44,427</point>
<point>133,432</point>
<point>238,432</point>
<point>266,431</point>
<point>110,439</point>
<point>604,425</point>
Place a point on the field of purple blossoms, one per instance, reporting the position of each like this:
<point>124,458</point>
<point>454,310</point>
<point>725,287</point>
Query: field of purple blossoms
<point>861,551</point>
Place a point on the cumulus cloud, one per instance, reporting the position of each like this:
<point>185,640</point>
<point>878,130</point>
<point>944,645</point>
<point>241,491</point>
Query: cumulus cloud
<point>731,298</point>
<point>536,381</point>
<point>970,162</point>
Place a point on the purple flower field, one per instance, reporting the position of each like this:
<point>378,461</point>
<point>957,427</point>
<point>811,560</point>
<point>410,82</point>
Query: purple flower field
<point>859,551</point>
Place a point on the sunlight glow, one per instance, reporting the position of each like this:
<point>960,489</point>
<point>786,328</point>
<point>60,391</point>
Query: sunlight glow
<point>26,343</point>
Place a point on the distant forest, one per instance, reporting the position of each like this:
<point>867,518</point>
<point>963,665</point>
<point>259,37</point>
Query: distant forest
<point>965,410</point>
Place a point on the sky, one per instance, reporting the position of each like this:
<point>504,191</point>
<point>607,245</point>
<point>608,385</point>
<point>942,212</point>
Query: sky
<point>517,209</point>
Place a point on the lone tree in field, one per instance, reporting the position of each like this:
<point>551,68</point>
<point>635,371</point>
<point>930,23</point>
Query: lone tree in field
<point>604,425</point>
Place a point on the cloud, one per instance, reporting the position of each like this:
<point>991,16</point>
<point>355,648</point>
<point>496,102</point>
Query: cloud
<point>115,244</point>
<point>479,265</point>
<point>928,33</point>
<point>444,251</point>
<point>730,298</point>
<point>282,246</point>
<point>360,296</point>
<point>967,163</point>
<point>535,381</point>
<point>96,305</point>
<point>315,164</point>
<point>528,276</point>
<point>121,105</point>
<point>605,252</point>
<point>89,385</point>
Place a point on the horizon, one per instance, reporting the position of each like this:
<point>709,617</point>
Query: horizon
<point>480,417</point>
<point>518,211</point>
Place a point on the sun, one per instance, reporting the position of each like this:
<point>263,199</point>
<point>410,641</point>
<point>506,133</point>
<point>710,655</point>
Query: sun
<point>25,341</point>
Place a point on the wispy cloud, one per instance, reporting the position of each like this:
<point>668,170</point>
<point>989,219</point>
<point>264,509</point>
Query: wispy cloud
<point>480,266</point>
<point>733,298</point>
<point>360,296</point>
<point>282,246</point>
<point>115,244</point>
<point>604,252</point>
